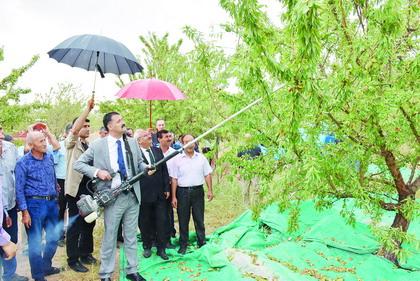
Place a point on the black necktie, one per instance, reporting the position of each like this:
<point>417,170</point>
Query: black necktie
<point>152,159</point>
<point>85,146</point>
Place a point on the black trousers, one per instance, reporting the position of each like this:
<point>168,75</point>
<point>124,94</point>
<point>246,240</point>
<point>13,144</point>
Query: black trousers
<point>170,226</point>
<point>79,240</point>
<point>153,223</point>
<point>190,200</point>
<point>62,204</point>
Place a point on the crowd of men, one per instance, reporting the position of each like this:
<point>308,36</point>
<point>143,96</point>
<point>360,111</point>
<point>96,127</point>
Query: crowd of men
<point>47,177</point>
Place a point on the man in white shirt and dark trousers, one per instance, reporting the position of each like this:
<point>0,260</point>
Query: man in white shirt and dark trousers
<point>190,170</point>
<point>165,140</point>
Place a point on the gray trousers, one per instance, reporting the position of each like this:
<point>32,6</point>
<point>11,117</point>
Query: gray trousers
<point>126,207</point>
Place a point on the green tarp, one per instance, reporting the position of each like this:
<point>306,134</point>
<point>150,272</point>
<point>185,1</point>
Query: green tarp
<point>323,248</point>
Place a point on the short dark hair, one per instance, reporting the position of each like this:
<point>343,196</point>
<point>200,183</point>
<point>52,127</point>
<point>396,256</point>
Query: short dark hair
<point>74,120</point>
<point>108,118</point>
<point>161,133</point>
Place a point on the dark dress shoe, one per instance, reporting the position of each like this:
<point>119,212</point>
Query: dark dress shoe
<point>182,250</point>
<point>53,270</point>
<point>78,267</point>
<point>89,259</point>
<point>106,279</point>
<point>42,279</point>
<point>147,253</point>
<point>162,254</point>
<point>135,277</point>
<point>169,245</point>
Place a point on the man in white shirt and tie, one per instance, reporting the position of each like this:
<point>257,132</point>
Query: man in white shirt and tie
<point>105,156</point>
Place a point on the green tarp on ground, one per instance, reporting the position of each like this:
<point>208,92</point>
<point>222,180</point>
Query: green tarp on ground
<point>323,248</point>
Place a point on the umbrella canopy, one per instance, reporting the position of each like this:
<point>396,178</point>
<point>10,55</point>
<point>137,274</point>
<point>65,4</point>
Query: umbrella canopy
<point>86,51</point>
<point>150,89</point>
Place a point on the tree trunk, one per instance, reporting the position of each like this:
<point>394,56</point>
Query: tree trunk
<point>401,223</point>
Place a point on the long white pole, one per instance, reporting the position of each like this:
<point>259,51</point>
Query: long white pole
<point>222,123</point>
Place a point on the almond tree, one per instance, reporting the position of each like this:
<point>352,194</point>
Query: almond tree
<point>347,68</point>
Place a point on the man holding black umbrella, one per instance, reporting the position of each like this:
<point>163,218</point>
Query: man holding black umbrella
<point>79,242</point>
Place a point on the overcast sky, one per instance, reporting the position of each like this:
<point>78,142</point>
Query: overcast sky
<point>29,27</point>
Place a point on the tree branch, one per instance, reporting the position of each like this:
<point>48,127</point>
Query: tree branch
<point>339,125</point>
<point>411,124</point>
<point>413,171</point>
<point>389,206</point>
<point>359,15</point>
<point>415,185</point>
<point>391,163</point>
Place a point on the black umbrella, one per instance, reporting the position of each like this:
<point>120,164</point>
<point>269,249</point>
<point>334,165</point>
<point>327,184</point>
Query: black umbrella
<point>98,53</point>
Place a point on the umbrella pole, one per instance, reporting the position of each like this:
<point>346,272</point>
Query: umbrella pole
<point>94,79</point>
<point>150,114</point>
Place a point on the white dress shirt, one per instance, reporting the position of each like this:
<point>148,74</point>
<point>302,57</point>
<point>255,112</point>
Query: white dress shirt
<point>8,159</point>
<point>113,159</point>
<point>190,171</point>
<point>146,154</point>
<point>170,162</point>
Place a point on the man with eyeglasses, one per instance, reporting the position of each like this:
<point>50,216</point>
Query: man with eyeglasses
<point>154,192</point>
<point>79,238</point>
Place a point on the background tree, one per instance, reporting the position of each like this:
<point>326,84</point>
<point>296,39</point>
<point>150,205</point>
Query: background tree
<point>12,114</point>
<point>348,68</point>
<point>60,106</point>
<point>200,73</point>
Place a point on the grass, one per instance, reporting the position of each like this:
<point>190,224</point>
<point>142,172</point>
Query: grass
<point>226,206</point>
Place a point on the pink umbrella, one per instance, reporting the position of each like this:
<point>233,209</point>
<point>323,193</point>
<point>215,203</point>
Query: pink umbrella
<point>150,89</point>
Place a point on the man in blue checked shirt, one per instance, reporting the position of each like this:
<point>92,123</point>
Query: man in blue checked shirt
<point>36,193</point>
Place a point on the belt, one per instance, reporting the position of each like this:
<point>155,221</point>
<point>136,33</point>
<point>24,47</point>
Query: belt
<point>191,187</point>
<point>48,197</point>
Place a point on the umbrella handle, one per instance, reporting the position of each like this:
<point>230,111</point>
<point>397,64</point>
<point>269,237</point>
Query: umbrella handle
<point>94,77</point>
<point>150,114</point>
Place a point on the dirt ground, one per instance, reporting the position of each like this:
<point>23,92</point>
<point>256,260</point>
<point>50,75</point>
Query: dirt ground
<point>227,205</point>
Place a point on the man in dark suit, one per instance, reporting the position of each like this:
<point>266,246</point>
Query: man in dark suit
<point>154,192</point>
